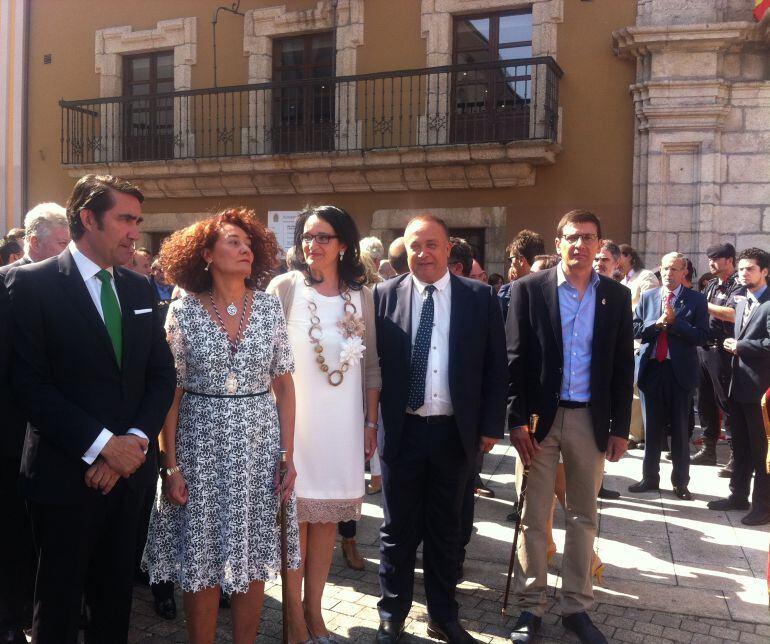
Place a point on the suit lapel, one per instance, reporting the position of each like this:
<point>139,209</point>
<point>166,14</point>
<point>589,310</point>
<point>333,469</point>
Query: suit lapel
<point>403,312</point>
<point>600,318</point>
<point>127,316</point>
<point>551,297</point>
<point>73,284</point>
<point>459,304</point>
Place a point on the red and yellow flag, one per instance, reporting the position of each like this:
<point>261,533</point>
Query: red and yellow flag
<point>760,8</point>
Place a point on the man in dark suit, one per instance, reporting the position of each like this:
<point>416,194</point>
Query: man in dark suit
<point>672,322</point>
<point>750,349</point>
<point>570,361</point>
<point>46,234</point>
<point>441,344</point>
<point>94,377</point>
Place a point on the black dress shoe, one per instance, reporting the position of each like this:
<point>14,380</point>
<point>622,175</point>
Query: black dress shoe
<point>756,517</point>
<point>450,632</point>
<point>165,608</point>
<point>389,632</point>
<point>681,492</point>
<point>730,503</point>
<point>526,627</point>
<point>582,626</point>
<point>604,493</point>
<point>643,486</point>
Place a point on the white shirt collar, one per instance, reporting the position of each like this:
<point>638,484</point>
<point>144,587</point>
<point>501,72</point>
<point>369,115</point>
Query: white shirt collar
<point>440,283</point>
<point>87,268</point>
<point>676,291</point>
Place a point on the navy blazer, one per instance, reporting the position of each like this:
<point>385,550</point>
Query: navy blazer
<point>536,356</point>
<point>689,331</point>
<point>478,379</point>
<point>751,365</point>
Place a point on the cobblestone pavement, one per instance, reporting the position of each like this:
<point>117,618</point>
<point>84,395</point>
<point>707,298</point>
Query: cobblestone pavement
<point>675,571</point>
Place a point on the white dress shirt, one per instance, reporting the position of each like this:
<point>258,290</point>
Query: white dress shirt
<point>437,399</point>
<point>88,271</point>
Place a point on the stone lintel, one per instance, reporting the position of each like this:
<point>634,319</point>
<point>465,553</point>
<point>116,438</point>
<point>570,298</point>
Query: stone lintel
<point>633,42</point>
<point>449,167</point>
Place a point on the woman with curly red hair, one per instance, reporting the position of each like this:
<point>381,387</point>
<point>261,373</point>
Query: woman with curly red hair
<point>213,526</point>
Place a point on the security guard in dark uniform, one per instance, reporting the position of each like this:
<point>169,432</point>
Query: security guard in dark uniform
<point>714,361</point>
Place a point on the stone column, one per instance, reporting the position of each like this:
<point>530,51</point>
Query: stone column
<point>702,105</point>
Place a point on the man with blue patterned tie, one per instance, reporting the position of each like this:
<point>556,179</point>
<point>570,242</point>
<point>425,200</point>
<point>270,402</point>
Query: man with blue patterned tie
<point>444,382</point>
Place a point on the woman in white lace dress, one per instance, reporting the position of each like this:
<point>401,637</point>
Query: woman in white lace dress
<point>213,528</point>
<point>330,320</point>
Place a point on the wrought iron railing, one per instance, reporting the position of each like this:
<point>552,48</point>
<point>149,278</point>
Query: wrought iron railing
<point>503,101</point>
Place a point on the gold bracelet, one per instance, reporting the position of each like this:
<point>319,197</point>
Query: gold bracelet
<point>167,472</point>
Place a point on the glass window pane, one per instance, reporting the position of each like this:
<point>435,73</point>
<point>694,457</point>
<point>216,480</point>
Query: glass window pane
<point>292,51</point>
<point>517,28</point>
<point>165,86</point>
<point>469,57</point>
<point>509,53</point>
<point>472,34</point>
<point>165,68</point>
<point>140,69</point>
<point>322,48</point>
<point>139,89</point>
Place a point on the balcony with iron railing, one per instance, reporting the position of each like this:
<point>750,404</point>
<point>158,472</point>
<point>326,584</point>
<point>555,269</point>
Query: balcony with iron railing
<point>496,113</point>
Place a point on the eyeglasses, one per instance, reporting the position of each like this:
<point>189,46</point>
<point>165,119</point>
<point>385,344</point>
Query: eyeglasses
<point>321,238</point>
<point>586,237</point>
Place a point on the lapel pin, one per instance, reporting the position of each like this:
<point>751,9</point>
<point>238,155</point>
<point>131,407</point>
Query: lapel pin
<point>604,301</point>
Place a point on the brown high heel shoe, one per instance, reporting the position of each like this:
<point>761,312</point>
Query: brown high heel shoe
<point>350,554</point>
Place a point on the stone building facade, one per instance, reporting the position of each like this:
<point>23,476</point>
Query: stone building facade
<point>702,126</point>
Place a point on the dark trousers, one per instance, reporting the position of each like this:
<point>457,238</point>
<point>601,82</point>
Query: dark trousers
<point>749,452</point>
<point>347,529</point>
<point>665,403</point>
<point>17,554</point>
<point>423,490</point>
<point>85,549</point>
<point>164,589</point>
<point>469,506</point>
<point>712,390</point>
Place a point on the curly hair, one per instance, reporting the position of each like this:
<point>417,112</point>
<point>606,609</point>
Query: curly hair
<point>181,254</point>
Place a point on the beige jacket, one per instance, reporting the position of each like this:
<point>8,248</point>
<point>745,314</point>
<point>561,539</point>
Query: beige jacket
<point>283,287</point>
<point>640,282</point>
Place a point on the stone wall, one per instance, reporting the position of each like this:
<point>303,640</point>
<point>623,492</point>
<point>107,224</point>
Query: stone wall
<point>702,139</point>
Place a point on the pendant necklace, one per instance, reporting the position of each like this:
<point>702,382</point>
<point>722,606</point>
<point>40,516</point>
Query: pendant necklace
<point>231,382</point>
<point>231,309</point>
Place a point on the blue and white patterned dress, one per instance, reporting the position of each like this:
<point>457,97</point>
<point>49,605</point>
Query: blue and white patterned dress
<point>228,451</point>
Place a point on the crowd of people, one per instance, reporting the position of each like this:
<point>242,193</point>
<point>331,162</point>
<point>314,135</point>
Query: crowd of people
<point>148,403</point>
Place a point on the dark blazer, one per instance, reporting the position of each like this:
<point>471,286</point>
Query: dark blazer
<point>66,378</point>
<point>12,425</point>
<point>536,356</point>
<point>751,366</point>
<point>685,335</point>
<point>477,376</point>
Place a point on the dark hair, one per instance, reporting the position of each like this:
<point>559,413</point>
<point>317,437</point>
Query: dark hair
<point>397,256</point>
<point>431,218</point>
<point>8,248</point>
<point>495,278</point>
<point>636,260</point>
<point>549,261</point>
<point>705,279</point>
<point>612,248</point>
<point>461,253</point>
<point>527,244</point>
<point>761,257</point>
<point>181,254</point>
<point>691,272</point>
<point>15,234</point>
<point>579,216</point>
<point>351,271</point>
<point>94,192</point>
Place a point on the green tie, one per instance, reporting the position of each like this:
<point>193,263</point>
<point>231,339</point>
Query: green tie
<point>111,312</point>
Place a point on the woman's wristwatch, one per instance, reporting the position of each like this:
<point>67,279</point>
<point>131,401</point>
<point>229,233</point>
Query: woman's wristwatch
<point>166,472</point>
<point>370,425</point>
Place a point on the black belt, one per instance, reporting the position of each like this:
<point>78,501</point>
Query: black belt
<point>573,404</point>
<point>252,395</point>
<point>431,420</point>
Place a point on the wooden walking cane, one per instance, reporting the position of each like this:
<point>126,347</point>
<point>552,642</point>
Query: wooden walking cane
<point>282,521</point>
<point>533,420</point>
